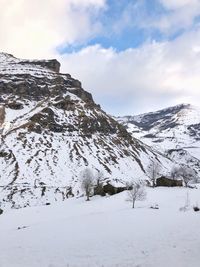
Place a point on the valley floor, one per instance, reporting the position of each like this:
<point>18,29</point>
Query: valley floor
<point>105,232</point>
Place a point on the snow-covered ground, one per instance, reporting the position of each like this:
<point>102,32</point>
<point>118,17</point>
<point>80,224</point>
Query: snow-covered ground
<point>105,232</point>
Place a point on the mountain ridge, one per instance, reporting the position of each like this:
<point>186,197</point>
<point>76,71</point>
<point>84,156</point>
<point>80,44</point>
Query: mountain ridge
<point>175,131</point>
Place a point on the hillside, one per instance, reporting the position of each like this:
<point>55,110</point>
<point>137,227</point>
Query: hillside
<point>51,129</point>
<point>175,131</point>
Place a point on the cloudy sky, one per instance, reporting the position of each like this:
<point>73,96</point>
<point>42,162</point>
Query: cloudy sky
<point>133,55</point>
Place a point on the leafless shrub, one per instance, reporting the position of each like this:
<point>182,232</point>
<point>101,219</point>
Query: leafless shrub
<point>196,208</point>
<point>136,192</point>
<point>153,172</point>
<point>87,182</point>
<point>174,173</point>
<point>99,178</point>
<point>185,173</point>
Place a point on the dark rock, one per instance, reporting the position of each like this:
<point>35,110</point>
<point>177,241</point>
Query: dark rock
<point>15,105</point>
<point>196,208</point>
<point>65,104</point>
<point>56,128</point>
<point>98,190</point>
<point>35,128</point>
<point>108,189</point>
<point>85,96</point>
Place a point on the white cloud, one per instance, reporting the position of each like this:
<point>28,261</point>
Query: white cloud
<point>176,4</point>
<point>35,28</point>
<point>135,80</point>
<point>181,15</point>
<point>176,15</point>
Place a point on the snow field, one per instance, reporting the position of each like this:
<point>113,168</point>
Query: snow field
<point>105,232</point>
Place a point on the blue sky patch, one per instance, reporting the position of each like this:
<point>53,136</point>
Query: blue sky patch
<point>127,24</point>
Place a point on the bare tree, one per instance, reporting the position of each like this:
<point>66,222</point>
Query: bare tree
<point>153,172</point>
<point>99,177</point>
<point>87,182</point>
<point>186,173</point>
<point>175,173</point>
<point>196,179</point>
<point>136,192</point>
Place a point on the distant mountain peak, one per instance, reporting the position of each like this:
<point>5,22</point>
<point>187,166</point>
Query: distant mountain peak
<point>167,117</point>
<point>174,131</point>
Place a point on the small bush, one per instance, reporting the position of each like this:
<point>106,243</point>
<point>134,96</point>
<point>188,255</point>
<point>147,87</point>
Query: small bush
<point>155,207</point>
<point>137,192</point>
<point>196,208</point>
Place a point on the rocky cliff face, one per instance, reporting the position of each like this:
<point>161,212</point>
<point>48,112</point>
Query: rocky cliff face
<point>51,129</point>
<point>52,64</point>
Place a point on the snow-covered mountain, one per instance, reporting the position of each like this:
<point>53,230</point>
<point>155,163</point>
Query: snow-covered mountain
<point>174,131</point>
<point>51,129</point>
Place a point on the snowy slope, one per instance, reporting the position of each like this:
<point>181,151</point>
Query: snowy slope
<point>51,129</point>
<point>175,131</point>
<point>105,232</point>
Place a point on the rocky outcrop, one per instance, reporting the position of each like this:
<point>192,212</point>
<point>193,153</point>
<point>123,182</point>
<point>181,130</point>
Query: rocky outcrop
<point>52,64</point>
<point>109,189</point>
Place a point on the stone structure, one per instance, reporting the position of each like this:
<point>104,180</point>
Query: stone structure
<point>164,181</point>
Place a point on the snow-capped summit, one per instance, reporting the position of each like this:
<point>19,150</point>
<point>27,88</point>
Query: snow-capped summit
<point>166,118</point>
